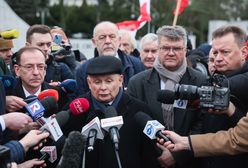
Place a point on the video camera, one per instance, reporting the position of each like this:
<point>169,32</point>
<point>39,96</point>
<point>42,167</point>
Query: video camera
<point>5,157</point>
<point>214,96</point>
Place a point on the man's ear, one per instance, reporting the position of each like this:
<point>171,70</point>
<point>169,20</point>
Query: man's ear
<point>17,69</point>
<point>244,51</point>
<point>89,82</point>
<point>27,44</point>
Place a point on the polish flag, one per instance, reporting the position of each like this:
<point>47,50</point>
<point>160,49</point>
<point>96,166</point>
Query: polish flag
<point>183,5</point>
<point>134,25</point>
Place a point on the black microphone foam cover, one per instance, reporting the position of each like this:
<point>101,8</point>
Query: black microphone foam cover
<point>72,152</point>
<point>62,118</point>
<point>166,96</point>
<point>141,119</point>
<point>110,112</point>
<point>50,105</point>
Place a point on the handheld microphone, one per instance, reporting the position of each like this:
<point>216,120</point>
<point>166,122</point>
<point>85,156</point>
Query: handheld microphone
<point>49,92</point>
<point>92,130</point>
<point>166,96</point>
<point>49,152</point>
<point>69,85</point>
<point>9,82</point>
<point>112,123</point>
<point>9,34</point>
<point>53,128</point>
<point>77,107</point>
<point>72,152</point>
<point>152,128</point>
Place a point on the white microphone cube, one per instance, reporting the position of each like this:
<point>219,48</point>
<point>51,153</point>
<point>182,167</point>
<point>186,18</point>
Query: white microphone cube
<point>151,128</point>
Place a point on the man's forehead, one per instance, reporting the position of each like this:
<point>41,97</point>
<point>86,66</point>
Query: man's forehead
<point>41,38</point>
<point>27,54</point>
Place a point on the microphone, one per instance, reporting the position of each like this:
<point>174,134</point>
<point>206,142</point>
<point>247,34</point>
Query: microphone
<point>69,85</point>
<point>9,34</point>
<point>36,111</point>
<point>50,105</point>
<point>53,128</point>
<point>112,123</point>
<point>77,107</point>
<point>92,130</point>
<point>49,92</point>
<point>49,152</point>
<point>9,82</point>
<point>166,96</point>
<point>72,151</point>
<point>152,128</point>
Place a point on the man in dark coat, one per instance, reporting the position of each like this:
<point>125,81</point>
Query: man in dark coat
<point>170,68</point>
<point>135,149</point>
<point>106,41</point>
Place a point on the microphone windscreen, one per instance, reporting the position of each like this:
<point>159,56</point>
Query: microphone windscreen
<point>49,92</point>
<point>166,96</point>
<point>141,119</point>
<point>79,106</point>
<point>10,34</point>
<point>72,152</point>
<point>69,85</point>
<point>62,118</point>
<point>50,105</point>
<point>110,112</point>
<point>9,82</point>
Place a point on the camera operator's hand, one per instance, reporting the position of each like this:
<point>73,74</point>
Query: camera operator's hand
<point>32,163</point>
<point>14,103</point>
<point>16,121</point>
<point>33,138</point>
<point>178,142</point>
<point>229,111</point>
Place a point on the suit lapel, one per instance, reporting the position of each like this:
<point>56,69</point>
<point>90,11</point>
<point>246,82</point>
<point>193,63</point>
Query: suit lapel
<point>151,87</point>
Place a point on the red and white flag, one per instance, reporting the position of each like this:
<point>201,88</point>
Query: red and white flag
<point>183,5</point>
<point>134,25</point>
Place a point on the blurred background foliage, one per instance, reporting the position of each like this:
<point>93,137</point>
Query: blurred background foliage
<point>83,18</point>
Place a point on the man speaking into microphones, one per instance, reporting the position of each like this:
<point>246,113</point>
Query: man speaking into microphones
<point>106,90</point>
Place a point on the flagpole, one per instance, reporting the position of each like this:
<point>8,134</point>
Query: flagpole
<point>176,13</point>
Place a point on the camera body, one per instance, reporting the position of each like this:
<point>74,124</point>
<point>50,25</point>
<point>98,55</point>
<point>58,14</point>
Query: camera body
<point>5,157</point>
<point>210,96</point>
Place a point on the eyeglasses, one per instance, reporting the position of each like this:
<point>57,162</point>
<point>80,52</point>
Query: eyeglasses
<point>31,67</point>
<point>167,49</point>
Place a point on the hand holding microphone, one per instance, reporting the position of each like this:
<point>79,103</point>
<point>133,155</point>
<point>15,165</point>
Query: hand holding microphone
<point>152,128</point>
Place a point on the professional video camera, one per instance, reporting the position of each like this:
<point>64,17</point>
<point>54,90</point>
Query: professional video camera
<point>214,96</point>
<point>5,157</point>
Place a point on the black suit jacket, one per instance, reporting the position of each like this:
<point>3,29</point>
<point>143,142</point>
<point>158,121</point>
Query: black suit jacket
<point>145,85</point>
<point>63,98</point>
<point>135,149</point>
